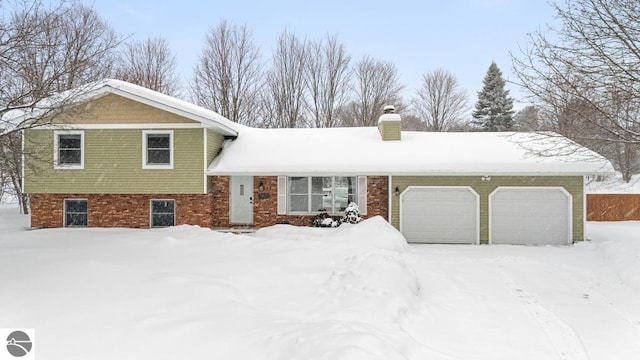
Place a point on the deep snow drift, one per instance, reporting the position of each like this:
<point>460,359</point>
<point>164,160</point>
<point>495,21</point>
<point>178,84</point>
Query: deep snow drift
<point>353,292</point>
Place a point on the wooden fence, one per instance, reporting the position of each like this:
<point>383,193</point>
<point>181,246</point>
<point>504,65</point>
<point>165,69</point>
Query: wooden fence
<point>613,207</point>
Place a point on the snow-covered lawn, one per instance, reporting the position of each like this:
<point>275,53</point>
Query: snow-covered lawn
<point>355,292</point>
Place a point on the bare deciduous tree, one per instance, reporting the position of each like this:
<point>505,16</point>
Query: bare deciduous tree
<point>227,76</point>
<point>328,80</point>
<point>284,96</point>
<point>151,64</point>
<point>440,102</point>
<point>592,56</point>
<point>376,83</point>
<point>61,49</point>
<point>11,168</point>
<point>411,122</point>
<point>91,46</point>
<point>45,51</point>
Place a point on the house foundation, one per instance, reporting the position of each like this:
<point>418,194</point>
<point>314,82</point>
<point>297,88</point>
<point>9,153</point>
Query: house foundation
<point>120,210</point>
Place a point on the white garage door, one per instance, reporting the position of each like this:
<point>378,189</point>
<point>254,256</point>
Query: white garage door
<point>439,215</point>
<point>532,216</point>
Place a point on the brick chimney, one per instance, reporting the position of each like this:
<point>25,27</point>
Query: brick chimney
<point>389,124</point>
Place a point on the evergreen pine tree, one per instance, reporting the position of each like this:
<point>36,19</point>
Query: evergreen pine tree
<point>494,109</point>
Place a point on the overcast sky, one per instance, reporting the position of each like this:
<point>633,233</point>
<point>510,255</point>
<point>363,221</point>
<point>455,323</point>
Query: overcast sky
<point>461,36</point>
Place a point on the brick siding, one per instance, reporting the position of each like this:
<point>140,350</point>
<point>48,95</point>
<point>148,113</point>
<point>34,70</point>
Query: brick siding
<point>122,210</point>
<point>265,205</point>
<point>211,210</point>
<point>220,201</point>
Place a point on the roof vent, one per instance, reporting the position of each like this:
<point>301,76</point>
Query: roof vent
<point>389,124</point>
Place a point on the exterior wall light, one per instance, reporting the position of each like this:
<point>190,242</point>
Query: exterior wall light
<point>397,191</point>
<point>261,186</point>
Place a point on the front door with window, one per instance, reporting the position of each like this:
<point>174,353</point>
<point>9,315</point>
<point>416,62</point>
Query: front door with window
<point>241,200</point>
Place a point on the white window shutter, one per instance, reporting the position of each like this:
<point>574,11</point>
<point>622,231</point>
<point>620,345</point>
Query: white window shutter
<point>362,194</point>
<point>282,195</point>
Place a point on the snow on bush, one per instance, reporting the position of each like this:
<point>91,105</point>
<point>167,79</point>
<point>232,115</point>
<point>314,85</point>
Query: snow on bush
<point>324,220</point>
<point>351,214</point>
<point>328,222</point>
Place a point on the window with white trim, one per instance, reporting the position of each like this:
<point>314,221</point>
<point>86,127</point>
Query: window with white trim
<point>68,150</point>
<point>157,149</point>
<point>310,195</point>
<point>76,212</point>
<point>163,213</point>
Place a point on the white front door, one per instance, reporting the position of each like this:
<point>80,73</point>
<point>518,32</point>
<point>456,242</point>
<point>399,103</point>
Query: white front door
<point>241,200</point>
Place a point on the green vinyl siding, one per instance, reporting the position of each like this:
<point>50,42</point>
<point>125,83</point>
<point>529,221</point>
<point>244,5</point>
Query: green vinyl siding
<point>390,130</point>
<point>214,145</point>
<point>572,184</point>
<point>113,164</point>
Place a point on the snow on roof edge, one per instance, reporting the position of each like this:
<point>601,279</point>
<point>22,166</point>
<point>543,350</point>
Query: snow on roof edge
<point>173,104</point>
<point>131,91</point>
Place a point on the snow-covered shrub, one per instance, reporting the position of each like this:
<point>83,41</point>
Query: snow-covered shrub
<point>351,214</point>
<point>329,222</point>
<point>324,220</point>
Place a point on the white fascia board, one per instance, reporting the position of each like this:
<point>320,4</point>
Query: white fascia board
<point>121,126</point>
<point>377,173</point>
<point>204,159</point>
<point>289,173</point>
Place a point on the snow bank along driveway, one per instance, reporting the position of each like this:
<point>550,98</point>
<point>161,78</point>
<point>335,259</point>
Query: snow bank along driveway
<point>356,292</point>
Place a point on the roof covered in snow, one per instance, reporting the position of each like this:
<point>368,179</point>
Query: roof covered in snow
<point>137,93</point>
<point>361,151</point>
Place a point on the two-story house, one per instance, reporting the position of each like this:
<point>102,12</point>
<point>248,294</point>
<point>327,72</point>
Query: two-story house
<point>131,157</point>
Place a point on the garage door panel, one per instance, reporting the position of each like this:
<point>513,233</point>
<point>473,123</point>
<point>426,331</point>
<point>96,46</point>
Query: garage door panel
<point>439,215</point>
<point>530,216</point>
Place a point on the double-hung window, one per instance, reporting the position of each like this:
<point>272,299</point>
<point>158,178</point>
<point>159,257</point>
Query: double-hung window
<point>298,195</point>
<point>344,192</point>
<point>157,149</point>
<point>68,150</point>
<point>309,195</point>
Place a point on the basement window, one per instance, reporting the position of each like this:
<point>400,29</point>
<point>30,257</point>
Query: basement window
<point>75,212</point>
<point>163,213</point>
